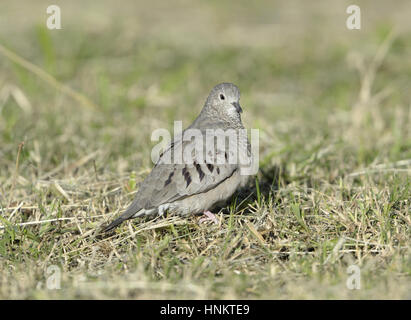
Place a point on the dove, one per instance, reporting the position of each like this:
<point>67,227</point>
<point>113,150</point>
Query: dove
<point>192,178</point>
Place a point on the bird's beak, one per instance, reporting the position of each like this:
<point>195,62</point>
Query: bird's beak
<point>237,107</point>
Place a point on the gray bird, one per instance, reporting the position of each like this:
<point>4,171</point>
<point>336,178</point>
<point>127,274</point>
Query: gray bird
<point>196,185</point>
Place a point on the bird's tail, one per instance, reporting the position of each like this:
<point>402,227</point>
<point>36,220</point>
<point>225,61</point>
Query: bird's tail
<point>132,211</point>
<point>113,225</point>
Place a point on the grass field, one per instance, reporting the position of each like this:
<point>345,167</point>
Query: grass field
<point>333,107</point>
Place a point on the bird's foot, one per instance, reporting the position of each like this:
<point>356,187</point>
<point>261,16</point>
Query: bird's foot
<point>209,217</point>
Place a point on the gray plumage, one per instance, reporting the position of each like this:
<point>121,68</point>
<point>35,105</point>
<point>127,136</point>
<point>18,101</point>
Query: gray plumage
<point>196,186</point>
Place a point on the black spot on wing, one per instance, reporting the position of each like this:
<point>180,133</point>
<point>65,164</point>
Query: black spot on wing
<point>168,181</point>
<point>187,176</point>
<point>210,167</point>
<point>200,172</point>
<point>218,170</point>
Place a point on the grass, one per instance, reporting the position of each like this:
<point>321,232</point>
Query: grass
<point>332,107</point>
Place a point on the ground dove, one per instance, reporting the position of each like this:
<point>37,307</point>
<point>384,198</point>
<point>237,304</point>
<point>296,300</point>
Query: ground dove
<point>202,167</point>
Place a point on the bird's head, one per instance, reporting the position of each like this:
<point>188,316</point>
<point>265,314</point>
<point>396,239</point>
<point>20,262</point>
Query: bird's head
<point>224,100</point>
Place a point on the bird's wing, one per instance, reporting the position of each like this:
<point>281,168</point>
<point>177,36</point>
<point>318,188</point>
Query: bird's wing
<point>172,180</point>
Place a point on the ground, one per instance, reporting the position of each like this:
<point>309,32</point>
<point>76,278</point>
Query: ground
<point>331,200</point>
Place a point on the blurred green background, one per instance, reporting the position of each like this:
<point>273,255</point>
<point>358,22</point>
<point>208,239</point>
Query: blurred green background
<point>329,102</point>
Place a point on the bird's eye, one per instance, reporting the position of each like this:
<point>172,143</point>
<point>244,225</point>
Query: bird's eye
<point>222,96</point>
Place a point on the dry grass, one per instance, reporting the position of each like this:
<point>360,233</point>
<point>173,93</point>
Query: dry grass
<point>335,159</point>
